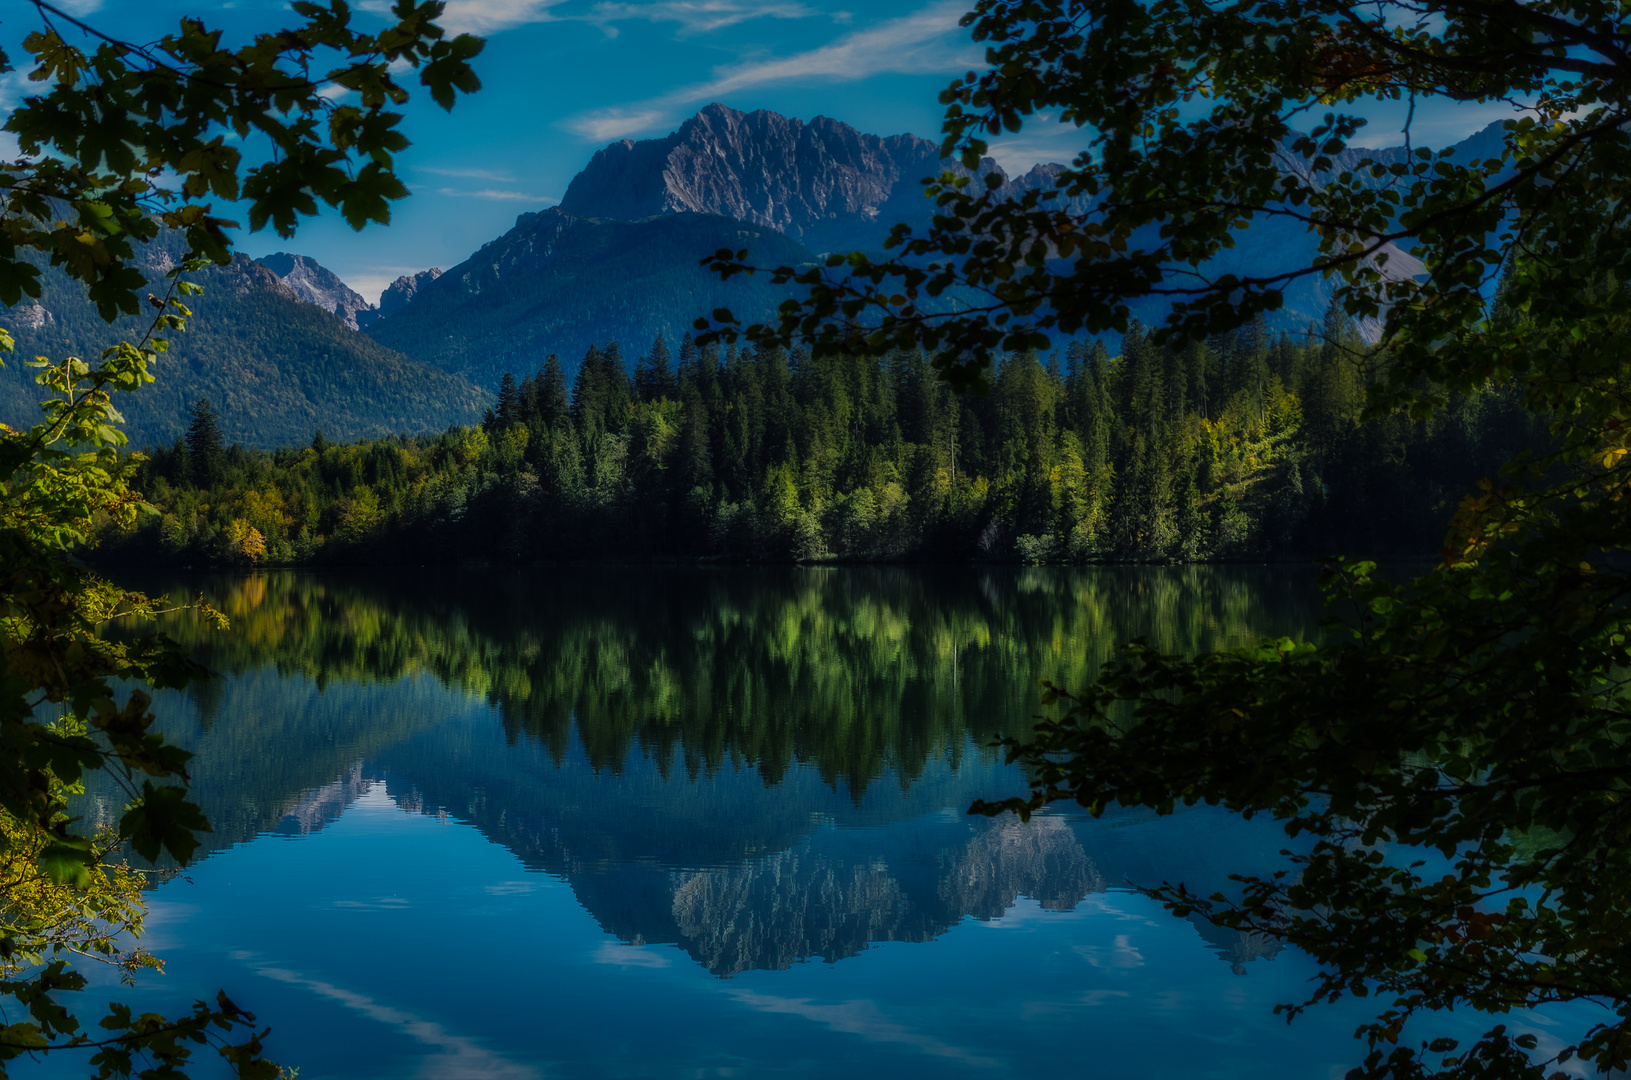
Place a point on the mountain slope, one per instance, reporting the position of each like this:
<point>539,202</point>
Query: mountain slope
<point>275,367</point>
<point>618,259</point>
<point>317,284</point>
<point>822,183</point>
<point>560,283</point>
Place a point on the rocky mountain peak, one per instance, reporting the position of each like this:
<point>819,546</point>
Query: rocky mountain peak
<point>399,292</point>
<point>821,182</point>
<point>316,284</point>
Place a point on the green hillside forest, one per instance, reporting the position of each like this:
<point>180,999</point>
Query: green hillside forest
<point>1248,446</point>
<point>559,283</point>
<point>275,368</point>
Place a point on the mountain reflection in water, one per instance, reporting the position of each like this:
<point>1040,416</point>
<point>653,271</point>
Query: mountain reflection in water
<point>758,767</point>
<point>652,724</point>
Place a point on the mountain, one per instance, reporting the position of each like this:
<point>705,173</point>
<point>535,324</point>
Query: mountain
<point>560,283</point>
<point>618,259</point>
<point>276,367</point>
<point>822,183</point>
<point>399,292</point>
<point>316,284</point>
<point>838,189</point>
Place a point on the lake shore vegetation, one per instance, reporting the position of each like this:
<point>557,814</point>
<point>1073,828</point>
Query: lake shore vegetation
<point>1248,446</point>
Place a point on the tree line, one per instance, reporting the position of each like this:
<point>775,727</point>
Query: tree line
<point>1246,445</point>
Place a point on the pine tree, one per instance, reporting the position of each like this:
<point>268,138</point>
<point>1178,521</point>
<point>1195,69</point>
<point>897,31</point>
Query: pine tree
<point>642,378</point>
<point>205,447</point>
<point>695,464</point>
<point>506,411</point>
<point>661,377</point>
<point>553,404</point>
<point>588,395</point>
<point>689,367</point>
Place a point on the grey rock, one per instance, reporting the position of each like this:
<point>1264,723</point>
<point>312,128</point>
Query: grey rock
<point>400,292</point>
<point>823,183</point>
<point>31,317</point>
<point>316,284</point>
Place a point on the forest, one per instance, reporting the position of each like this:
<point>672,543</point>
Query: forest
<point>1246,446</point>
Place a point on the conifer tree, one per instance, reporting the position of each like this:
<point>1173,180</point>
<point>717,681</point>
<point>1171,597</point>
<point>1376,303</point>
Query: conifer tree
<point>506,411</point>
<point>554,407</point>
<point>661,379</point>
<point>689,359</point>
<point>205,446</point>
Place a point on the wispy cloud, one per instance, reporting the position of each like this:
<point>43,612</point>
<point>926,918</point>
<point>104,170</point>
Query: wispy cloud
<point>627,956</point>
<point>695,16</point>
<point>606,124</point>
<point>452,1056</point>
<point>483,16</point>
<point>860,1018</point>
<point>925,41</point>
<point>1040,141</point>
<point>497,195</point>
<point>470,174</point>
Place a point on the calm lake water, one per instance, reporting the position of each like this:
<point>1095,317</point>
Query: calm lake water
<point>608,823</point>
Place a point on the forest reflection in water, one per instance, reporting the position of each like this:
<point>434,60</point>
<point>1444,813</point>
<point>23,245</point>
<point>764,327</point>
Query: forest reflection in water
<point>679,721</point>
<point>852,670</point>
<point>756,767</point>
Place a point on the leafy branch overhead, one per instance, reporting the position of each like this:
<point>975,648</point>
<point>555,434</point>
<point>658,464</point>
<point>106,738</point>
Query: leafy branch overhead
<point>1458,749</point>
<point>1198,119</point>
<point>126,139</point>
<point>119,142</point>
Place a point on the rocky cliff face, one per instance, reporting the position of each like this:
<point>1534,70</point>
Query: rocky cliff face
<point>822,183</point>
<point>400,292</point>
<point>316,284</point>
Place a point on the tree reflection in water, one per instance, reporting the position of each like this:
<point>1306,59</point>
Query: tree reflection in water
<point>759,765</point>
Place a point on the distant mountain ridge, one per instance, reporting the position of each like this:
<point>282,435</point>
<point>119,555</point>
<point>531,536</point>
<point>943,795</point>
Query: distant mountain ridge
<point>399,292</point>
<point>619,259</point>
<point>316,284</point>
<point>823,183</point>
<point>275,366</point>
<point>805,188</point>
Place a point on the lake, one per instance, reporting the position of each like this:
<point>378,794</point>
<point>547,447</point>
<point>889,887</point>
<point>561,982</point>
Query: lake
<point>614,822</point>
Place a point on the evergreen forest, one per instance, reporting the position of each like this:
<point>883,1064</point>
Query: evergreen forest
<point>1246,446</point>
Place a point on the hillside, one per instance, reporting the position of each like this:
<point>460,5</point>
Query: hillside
<point>276,368</point>
<point>618,259</point>
<point>560,283</point>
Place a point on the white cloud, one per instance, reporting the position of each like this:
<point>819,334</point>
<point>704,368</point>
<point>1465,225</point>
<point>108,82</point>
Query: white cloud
<point>470,174</point>
<point>918,43</point>
<point>496,194</point>
<point>862,1019</point>
<point>1039,143</point>
<point>627,956</point>
<point>695,16</point>
<point>451,1055</point>
<point>482,16</point>
<point>1123,954</point>
<point>608,124</point>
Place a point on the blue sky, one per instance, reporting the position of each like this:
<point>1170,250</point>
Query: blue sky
<point>562,78</point>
